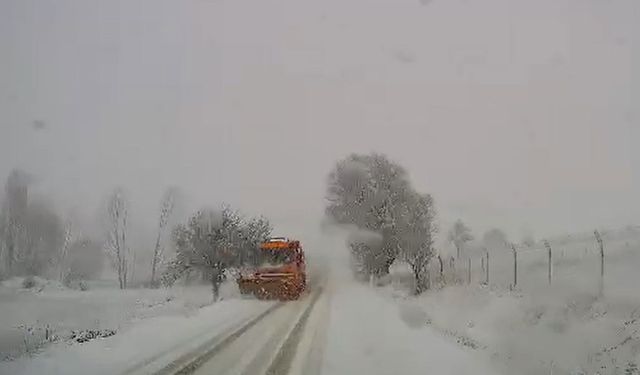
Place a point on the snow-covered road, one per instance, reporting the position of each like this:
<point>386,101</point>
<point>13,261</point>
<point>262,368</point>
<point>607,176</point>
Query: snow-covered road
<point>338,328</point>
<point>267,347</point>
<point>368,334</point>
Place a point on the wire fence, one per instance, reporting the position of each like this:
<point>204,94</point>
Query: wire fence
<point>515,267</point>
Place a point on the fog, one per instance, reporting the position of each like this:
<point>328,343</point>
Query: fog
<point>513,114</point>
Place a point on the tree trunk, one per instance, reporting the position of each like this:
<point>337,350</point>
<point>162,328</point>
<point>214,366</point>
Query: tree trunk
<point>156,255</point>
<point>215,283</point>
<point>420,276</point>
<point>154,264</point>
<point>11,249</point>
<point>119,268</point>
<point>417,280</point>
<point>125,262</point>
<point>10,257</point>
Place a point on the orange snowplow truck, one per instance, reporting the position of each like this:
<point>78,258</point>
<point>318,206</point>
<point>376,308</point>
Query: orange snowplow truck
<point>281,274</point>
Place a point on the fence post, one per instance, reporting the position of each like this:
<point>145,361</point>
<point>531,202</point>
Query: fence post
<point>441,269</point>
<point>487,269</point>
<point>469,272</point>
<point>515,265</point>
<point>548,246</point>
<point>601,245</point>
<point>452,265</point>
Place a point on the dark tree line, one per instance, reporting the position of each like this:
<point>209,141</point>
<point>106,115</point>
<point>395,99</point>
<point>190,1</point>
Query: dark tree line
<point>36,241</point>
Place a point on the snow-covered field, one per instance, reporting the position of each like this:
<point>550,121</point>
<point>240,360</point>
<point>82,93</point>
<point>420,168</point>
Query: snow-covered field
<point>536,328</point>
<point>562,328</point>
<point>144,321</point>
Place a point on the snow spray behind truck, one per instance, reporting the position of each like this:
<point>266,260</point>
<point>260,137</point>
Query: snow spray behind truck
<point>281,274</point>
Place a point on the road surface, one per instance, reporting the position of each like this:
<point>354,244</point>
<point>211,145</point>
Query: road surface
<point>338,327</point>
<point>334,329</point>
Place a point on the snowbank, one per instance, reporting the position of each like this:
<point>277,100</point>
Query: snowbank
<point>160,340</point>
<point>38,284</point>
<point>367,336</point>
<point>32,318</point>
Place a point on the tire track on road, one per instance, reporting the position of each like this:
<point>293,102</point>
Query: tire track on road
<point>190,362</point>
<point>282,362</point>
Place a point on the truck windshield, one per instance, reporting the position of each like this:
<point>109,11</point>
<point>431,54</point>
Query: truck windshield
<point>277,257</point>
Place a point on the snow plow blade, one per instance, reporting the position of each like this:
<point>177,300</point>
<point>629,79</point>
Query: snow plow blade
<point>284,289</point>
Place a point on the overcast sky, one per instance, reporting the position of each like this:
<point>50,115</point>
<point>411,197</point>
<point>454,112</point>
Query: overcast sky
<point>520,114</point>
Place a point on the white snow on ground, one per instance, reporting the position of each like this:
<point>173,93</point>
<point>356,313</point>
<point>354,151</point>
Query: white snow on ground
<point>169,335</point>
<point>367,335</point>
<point>27,314</point>
<point>562,328</point>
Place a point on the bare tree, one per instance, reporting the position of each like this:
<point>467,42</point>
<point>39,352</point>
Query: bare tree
<point>601,247</point>
<point>63,261</point>
<point>43,238</point>
<point>13,219</point>
<point>166,209</point>
<point>459,235</point>
<point>117,245</point>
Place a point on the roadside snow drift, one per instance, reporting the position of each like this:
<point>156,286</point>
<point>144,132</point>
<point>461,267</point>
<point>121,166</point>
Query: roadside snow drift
<point>367,335</point>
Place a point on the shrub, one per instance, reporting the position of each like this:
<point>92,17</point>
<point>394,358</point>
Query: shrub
<point>83,285</point>
<point>28,282</point>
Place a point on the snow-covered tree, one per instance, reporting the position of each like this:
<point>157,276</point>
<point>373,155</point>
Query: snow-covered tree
<point>366,256</point>
<point>252,233</point>
<point>117,245</point>
<point>373,194</point>
<point>166,209</point>
<point>368,191</point>
<point>212,241</point>
<point>459,235</point>
<point>181,263</point>
<point>417,237</point>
